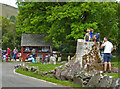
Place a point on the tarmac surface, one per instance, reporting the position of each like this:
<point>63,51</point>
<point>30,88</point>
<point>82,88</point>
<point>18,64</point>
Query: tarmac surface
<point>8,78</point>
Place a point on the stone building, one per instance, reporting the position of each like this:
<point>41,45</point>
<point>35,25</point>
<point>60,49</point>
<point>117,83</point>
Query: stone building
<point>7,10</point>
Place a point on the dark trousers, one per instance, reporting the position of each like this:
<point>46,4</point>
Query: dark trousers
<point>15,56</point>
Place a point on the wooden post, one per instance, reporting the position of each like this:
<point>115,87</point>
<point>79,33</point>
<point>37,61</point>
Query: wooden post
<point>22,53</point>
<point>50,50</point>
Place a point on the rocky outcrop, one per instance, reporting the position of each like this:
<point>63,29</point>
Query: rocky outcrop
<point>106,81</point>
<point>52,60</point>
<point>94,81</point>
<point>115,70</point>
<point>87,58</point>
<point>85,68</point>
<point>116,83</point>
<point>26,67</point>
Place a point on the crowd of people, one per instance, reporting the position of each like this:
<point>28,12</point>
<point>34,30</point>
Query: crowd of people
<point>106,44</point>
<point>9,54</point>
<point>89,37</point>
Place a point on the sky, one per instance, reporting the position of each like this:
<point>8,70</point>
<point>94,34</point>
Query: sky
<point>9,2</point>
<point>12,2</point>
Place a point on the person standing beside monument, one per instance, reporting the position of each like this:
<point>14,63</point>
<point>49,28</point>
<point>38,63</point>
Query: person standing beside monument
<point>108,48</point>
<point>87,36</point>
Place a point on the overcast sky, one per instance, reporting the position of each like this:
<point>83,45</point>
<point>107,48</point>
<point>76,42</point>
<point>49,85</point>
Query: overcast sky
<point>12,2</point>
<point>9,2</point>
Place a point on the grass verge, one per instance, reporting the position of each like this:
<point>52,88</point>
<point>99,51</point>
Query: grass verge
<point>49,67</point>
<point>46,68</point>
<point>115,75</point>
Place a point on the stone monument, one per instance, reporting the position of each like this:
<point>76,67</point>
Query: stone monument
<point>37,59</point>
<point>52,60</point>
<point>87,58</point>
<point>59,58</point>
<point>88,54</point>
<point>68,58</point>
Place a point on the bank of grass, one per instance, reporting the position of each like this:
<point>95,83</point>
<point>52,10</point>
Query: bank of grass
<point>115,59</point>
<point>46,68</point>
<point>116,64</point>
<point>0,61</point>
<point>49,67</point>
<point>115,75</point>
<point>42,67</point>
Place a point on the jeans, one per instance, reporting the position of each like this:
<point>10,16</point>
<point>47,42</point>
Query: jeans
<point>15,56</point>
<point>107,57</point>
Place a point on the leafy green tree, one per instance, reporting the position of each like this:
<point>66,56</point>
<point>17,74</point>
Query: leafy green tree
<point>9,37</point>
<point>12,19</point>
<point>118,39</point>
<point>65,22</point>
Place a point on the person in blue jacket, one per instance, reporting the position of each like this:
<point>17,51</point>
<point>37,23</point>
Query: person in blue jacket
<point>91,34</point>
<point>31,59</point>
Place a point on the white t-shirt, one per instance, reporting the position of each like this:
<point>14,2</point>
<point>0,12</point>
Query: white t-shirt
<point>108,47</point>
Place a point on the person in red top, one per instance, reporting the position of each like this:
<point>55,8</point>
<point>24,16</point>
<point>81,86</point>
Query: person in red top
<point>8,51</point>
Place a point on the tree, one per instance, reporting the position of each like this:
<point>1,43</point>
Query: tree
<point>65,22</point>
<point>12,19</point>
<point>9,37</point>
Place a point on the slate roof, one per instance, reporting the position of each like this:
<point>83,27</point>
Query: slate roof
<point>30,39</point>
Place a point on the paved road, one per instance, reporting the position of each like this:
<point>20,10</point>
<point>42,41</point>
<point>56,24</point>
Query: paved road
<point>10,79</point>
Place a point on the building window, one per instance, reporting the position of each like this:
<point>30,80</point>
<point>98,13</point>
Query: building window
<point>45,49</point>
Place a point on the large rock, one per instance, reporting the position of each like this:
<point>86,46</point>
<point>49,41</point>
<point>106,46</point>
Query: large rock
<point>82,78</point>
<point>33,69</point>
<point>70,75</point>
<point>72,70</point>
<point>114,70</point>
<point>87,59</point>
<point>106,81</point>
<point>116,83</point>
<point>58,74</point>
<point>94,81</point>
<point>53,60</point>
<point>85,75</point>
<point>78,81</point>
<point>59,58</point>
<point>64,74</point>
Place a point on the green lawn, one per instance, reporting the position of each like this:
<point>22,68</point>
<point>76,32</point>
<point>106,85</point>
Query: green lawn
<point>46,68</point>
<point>115,59</point>
<point>49,67</point>
<point>116,75</point>
<point>116,64</point>
<point>42,67</point>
